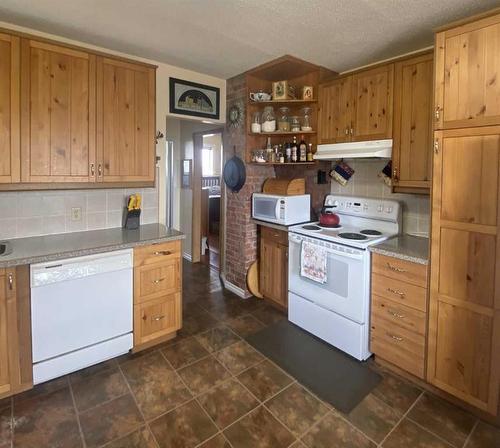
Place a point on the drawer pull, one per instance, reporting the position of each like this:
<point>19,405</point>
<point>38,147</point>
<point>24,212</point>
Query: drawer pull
<point>396,338</point>
<point>397,292</point>
<point>158,318</point>
<point>395,268</point>
<point>395,314</point>
<point>11,281</point>
<point>162,252</point>
<point>158,281</point>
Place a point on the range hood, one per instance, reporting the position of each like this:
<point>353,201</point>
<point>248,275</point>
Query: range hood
<point>381,149</point>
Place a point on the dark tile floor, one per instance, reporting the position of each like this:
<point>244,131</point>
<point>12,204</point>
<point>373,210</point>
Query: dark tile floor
<point>208,388</point>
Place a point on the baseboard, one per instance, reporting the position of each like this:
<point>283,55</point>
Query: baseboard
<point>240,292</point>
<point>188,257</point>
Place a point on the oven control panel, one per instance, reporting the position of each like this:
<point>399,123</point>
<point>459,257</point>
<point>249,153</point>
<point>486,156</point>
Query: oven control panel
<point>384,209</point>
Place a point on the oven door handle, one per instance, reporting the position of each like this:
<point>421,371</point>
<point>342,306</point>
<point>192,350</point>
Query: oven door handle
<point>354,256</point>
<point>277,210</point>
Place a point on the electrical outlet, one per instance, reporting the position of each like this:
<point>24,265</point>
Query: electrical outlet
<point>76,214</point>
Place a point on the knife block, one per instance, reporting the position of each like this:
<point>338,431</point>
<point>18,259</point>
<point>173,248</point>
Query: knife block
<point>131,219</point>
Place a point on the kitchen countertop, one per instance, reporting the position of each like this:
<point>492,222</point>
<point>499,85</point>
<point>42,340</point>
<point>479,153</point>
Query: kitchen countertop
<point>39,249</point>
<point>406,247</point>
<point>271,225</point>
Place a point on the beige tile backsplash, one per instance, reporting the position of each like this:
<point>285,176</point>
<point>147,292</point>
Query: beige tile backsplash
<point>25,214</point>
<point>365,182</point>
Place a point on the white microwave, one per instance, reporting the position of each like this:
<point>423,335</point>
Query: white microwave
<point>284,210</point>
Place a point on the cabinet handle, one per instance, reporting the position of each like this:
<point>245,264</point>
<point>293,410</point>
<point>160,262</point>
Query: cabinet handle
<point>395,174</point>
<point>436,146</point>
<point>437,113</point>
<point>162,252</point>
<point>395,268</point>
<point>396,338</point>
<point>10,278</point>
<point>352,131</point>
<point>158,281</point>
<point>158,318</point>
<point>397,292</point>
<point>99,170</point>
<point>395,314</point>
<point>92,169</point>
<point>346,130</point>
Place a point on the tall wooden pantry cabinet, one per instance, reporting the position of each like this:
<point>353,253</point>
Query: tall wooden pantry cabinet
<point>464,326</point>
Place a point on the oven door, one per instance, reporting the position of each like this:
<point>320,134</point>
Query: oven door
<point>346,290</point>
<point>266,208</point>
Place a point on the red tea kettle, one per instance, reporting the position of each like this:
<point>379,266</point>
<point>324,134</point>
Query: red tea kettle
<point>328,218</point>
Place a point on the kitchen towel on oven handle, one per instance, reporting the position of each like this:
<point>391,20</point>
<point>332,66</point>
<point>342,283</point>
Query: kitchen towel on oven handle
<point>313,262</point>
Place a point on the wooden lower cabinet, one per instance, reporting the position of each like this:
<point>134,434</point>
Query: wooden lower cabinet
<point>15,331</point>
<point>274,266</point>
<point>157,293</point>
<point>398,322</point>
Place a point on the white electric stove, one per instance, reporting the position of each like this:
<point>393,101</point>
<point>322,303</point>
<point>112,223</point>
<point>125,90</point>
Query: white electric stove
<point>338,310</point>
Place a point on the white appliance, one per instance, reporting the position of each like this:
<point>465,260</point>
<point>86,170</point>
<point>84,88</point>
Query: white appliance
<point>284,210</point>
<point>338,310</point>
<point>81,312</point>
<point>381,149</point>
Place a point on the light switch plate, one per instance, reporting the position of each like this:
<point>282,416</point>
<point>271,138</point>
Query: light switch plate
<point>76,214</point>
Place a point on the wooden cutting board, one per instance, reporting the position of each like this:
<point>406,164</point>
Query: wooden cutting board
<point>253,279</point>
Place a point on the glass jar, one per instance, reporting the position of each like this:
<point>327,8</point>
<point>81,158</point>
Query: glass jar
<point>283,122</point>
<point>294,123</point>
<point>256,126</point>
<point>306,119</point>
<point>268,122</point>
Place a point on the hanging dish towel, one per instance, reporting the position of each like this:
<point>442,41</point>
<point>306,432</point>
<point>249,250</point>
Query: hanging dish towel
<point>313,262</point>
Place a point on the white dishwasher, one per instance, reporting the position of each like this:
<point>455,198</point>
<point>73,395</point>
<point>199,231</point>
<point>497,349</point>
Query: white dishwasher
<point>81,312</point>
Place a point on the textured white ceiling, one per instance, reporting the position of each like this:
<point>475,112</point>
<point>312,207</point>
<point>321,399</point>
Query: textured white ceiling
<point>226,37</point>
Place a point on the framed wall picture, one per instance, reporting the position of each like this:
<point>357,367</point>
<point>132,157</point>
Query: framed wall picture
<point>196,100</point>
<point>186,173</point>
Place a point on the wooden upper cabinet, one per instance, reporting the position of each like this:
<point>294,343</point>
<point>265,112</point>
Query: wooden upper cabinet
<point>125,121</point>
<point>9,109</point>
<point>58,114</point>
<point>464,315</point>
<point>334,115</point>
<point>412,139</point>
<point>468,75</point>
<point>372,92</point>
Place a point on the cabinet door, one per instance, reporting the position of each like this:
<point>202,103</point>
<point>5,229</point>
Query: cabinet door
<point>464,315</point>
<point>125,121</point>
<point>467,75</point>
<point>4,343</point>
<point>274,271</point>
<point>334,114</point>
<point>412,145</point>
<point>58,114</point>
<point>372,92</point>
<point>10,161</point>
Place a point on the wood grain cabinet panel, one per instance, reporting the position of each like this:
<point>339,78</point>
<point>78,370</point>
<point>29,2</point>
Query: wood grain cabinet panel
<point>464,315</point>
<point>125,121</point>
<point>10,161</point>
<point>412,139</point>
<point>156,318</point>
<point>274,270</point>
<point>58,114</point>
<point>372,92</point>
<point>4,341</point>
<point>156,280</point>
<point>334,114</point>
<point>467,75</point>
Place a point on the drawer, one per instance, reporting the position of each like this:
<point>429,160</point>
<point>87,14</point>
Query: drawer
<point>400,292</point>
<point>400,315</point>
<point>279,236</point>
<point>156,253</point>
<point>402,270</point>
<point>400,358</point>
<point>397,336</point>
<point>156,280</point>
<point>156,318</point>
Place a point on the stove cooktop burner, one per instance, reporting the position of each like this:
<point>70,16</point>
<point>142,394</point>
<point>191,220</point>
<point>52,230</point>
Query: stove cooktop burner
<point>353,236</point>
<point>311,227</point>
<point>371,232</point>
<point>334,226</point>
